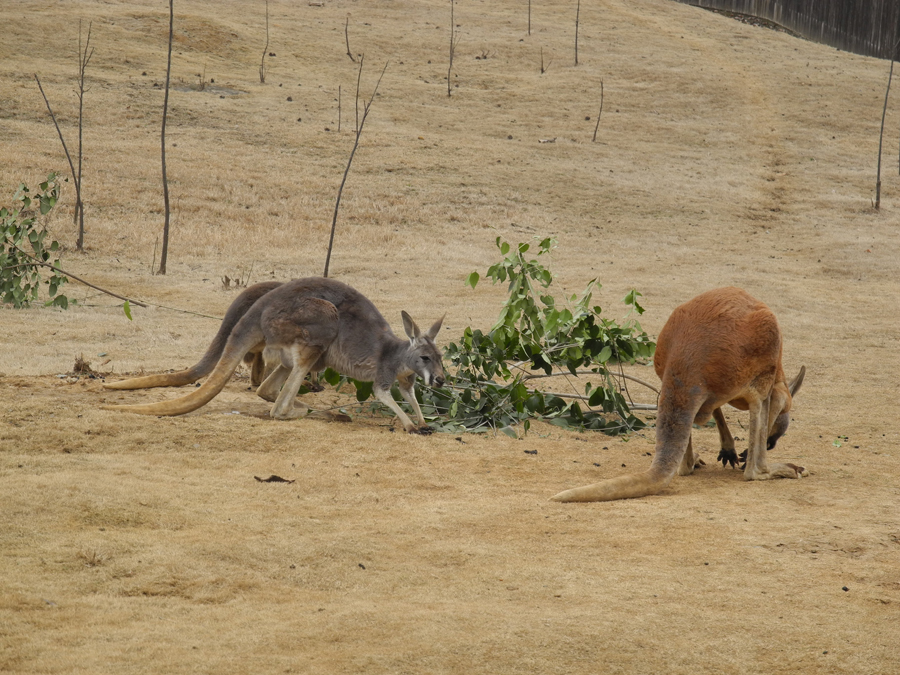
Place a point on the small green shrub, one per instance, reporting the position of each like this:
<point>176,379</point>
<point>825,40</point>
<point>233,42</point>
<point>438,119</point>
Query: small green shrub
<point>25,249</point>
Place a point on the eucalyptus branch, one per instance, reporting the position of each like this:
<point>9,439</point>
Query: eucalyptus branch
<point>539,376</point>
<point>579,397</point>
<point>79,279</point>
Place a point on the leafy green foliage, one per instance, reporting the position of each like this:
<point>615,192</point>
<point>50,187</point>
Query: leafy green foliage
<point>535,336</point>
<point>24,245</point>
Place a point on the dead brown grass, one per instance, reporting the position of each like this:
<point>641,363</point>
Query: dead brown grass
<point>727,154</point>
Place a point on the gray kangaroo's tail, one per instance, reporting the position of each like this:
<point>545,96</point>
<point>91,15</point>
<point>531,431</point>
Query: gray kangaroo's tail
<point>238,345</point>
<point>242,303</point>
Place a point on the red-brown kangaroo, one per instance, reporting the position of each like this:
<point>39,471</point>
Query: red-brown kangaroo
<point>721,347</point>
<point>314,323</point>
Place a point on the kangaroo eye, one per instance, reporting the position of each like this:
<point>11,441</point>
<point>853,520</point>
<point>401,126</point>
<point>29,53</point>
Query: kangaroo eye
<point>426,359</point>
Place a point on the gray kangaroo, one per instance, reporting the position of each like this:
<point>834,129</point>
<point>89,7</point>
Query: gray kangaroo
<point>205,366</point>
<point>311,324</point>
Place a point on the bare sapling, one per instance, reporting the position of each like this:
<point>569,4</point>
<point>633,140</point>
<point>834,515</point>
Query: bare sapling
<point>887,94</point>
<point>347,38</point>
<point>59,133</point>
<point>543,66</point>
<point>359,130</point>
<point>577,18</point>
<point>262,63</point>
<point>529,17</point>
<point>84,57</point>
<point>597,126</point>
<point>164,254</point>
<point>358,77</point>
<point>454,41</point>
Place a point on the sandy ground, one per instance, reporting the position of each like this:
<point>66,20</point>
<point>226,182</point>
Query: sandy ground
<point>727,154</point>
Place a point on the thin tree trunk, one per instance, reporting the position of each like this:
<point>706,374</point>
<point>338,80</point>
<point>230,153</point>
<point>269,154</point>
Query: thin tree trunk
<point>577,18</point>
<point>83,59</point>
<point>881,137</point>
<point>359,130</point>
<point>164,255</point>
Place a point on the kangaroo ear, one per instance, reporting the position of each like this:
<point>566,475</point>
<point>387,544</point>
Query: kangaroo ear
<point>433,331</point>
<point>412,330</point>
<point>794,386</point>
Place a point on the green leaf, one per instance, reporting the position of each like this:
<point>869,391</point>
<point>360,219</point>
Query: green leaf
<point>127,309</point>
<point>363,390</point>
<point>472,279</point>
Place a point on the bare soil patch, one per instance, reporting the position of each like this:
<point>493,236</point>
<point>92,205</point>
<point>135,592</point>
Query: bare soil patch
<point>726,154</point>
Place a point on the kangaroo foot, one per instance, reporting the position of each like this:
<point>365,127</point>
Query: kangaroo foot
<point>779,471</point>
<point>293,414</point>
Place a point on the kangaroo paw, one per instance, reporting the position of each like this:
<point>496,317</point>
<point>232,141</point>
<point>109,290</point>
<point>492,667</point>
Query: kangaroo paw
<point>727,456</point>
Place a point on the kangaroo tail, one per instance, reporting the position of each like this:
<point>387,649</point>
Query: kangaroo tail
<point>622,487</point>
<point>228,363</point>
<point>673,434</point>
<point>204,367</point>
<point>178,379</point>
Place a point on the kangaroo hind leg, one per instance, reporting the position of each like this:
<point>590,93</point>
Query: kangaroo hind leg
<point>303,358</point>
<point>689,461</point>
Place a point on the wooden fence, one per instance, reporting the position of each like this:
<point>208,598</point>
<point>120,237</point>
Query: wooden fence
<point>868,27</point>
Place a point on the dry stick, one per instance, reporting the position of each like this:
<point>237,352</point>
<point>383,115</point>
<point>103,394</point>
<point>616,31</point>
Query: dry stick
<point>577,16</point>
<point>337,202</point>
<point>83,60</point>
<point>59,132</point>
<point>529,18</point>
<point>164,255</point>
<point>339,108</point>
<point>262,64</point>
<point>347,38</point>
<point>543,68</point>
<point>594,139</point>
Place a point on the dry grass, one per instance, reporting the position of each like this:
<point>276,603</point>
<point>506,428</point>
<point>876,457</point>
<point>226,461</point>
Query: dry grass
<point>727,154</point>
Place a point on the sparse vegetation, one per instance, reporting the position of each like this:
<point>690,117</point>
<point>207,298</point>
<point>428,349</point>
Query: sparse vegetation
<point>26,249</point>
<point>535,337</point>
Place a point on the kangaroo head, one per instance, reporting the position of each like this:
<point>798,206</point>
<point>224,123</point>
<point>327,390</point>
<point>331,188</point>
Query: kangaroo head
<point>423,357</point>
<point>780,426</point>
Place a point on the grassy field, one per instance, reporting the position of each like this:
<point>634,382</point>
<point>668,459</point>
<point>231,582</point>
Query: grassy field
<point>726,154</point>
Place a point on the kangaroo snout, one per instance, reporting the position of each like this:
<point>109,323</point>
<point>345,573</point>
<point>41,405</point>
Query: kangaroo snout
<point>438,381</point>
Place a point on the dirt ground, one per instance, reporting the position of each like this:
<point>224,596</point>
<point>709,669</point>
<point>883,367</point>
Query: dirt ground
<point>726,154</point>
